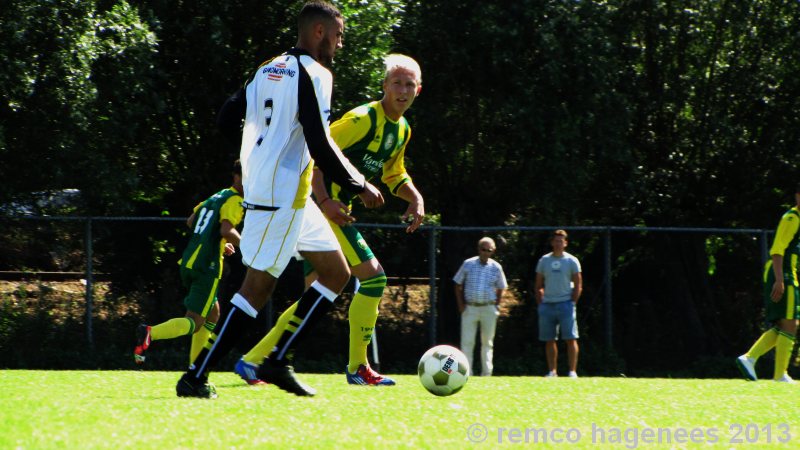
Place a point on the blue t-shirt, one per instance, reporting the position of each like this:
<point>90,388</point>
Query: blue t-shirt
<point>558,272</point>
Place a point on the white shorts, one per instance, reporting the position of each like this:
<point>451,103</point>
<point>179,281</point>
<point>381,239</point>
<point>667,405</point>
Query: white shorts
<point>271,238</point>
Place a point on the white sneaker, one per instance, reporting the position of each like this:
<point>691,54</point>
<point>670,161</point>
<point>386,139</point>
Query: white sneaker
<point>747,365</point>
<point>552,374</point>
<point>785,379</point>
<point>573,374</point>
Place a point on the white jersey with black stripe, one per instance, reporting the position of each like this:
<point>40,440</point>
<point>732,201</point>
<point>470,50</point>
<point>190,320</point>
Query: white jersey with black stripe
<point>286,131</point>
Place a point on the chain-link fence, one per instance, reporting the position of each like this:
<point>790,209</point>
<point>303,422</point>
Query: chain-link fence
<point>656,300</point>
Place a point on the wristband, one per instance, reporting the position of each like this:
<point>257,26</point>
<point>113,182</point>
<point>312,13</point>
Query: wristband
<point>323,201</point>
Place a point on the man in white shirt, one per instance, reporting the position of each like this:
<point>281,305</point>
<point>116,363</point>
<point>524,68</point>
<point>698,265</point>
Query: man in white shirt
<point>480,283</point>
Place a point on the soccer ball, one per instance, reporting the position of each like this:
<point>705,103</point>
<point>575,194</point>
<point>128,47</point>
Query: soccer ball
<point>443,370</point>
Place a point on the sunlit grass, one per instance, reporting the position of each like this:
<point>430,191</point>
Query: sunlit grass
<point>130,409</point>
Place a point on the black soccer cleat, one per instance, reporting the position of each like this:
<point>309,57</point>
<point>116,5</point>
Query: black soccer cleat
<point>189,386</point>
<point>282,375</point>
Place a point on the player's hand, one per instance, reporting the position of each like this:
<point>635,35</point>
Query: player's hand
<point>229,249</point>
<point>414,216</point>
<point>337,212</point>
<point>371,196</point>
<point>777,291</point>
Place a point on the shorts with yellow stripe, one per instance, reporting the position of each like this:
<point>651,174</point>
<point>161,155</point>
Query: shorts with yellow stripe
<point>354,247</point>
<point>203,289</point>
<point>788,307</point>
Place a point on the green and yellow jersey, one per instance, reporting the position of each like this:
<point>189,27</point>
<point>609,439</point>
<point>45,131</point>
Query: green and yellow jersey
<point>787,244</point>
<point>206,245</point>
<point>374,144</point>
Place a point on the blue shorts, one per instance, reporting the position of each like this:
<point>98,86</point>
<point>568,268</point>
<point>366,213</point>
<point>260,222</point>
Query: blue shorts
<point>557,316</point>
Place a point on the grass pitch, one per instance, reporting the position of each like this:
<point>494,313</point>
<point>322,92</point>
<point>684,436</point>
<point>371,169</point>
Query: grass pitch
<point>132,409</point>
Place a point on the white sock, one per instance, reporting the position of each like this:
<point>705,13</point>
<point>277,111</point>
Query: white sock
<point>242,303</point>
<point>327,293</point>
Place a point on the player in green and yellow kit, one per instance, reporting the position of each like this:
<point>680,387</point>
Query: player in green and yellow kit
<point>781,296</point>
<point>374,138</point>
<point>213,224</point>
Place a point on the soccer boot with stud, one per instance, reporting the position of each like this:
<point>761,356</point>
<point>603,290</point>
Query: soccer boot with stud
<point>248,371</point>
<point>282,375</point>
<point>189,386</point>
<point>746,365</point>
<point>365,376</point>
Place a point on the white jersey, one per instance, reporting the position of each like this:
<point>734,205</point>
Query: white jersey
<point>286,132</point>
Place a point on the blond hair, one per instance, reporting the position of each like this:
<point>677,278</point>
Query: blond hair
<point>394,61</point>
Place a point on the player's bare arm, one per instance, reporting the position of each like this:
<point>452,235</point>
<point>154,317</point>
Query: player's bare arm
<point>231,236</point>
<point>335,210</point>
<point>415,213</point>
<point>777,286</point>
<point>371,196</point>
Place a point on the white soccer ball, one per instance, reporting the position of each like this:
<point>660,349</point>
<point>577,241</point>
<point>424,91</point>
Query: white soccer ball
<point>443,370</point>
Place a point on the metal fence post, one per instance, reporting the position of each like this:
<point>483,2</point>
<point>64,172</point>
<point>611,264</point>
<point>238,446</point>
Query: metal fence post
<point>89,283</point>
<point>764,247</point>
<point>432,273</point>
<point>608,312</point>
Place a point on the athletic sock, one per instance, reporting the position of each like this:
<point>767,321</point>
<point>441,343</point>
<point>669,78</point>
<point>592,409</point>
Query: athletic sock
<point>763,344</point>
<point>362,315</point>
<point>199,340</point>
<point>313,305</point>
<point>179,326</point>
<point>257,354</point>
<point>228,334</point>
<point>783,351</point>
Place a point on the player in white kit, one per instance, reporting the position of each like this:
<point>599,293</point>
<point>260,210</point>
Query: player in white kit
<point>285,133</point>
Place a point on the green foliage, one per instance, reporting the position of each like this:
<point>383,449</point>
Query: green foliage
<point>62,105</point>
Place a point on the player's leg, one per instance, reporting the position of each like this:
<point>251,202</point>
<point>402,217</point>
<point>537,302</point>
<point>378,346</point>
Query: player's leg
<point>568,325</point>
<point>363,310</point>
<point>315,302</point>
<point>788,330</point>
<point>265,253</point>
<point>747,362</point>
<point>783,349</point>
<point>362,316</point>
<point>229,331</point>
<point>201,334</point>
<point>469,326</point>
<point>201,295</point>
<point>488,325</point>
<point>317,244</point>
<point>247,366</point>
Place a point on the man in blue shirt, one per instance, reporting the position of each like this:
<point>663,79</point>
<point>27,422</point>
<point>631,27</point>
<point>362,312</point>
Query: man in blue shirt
<point>558,287</point>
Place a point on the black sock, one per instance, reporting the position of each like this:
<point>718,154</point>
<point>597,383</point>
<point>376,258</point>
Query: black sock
<point>228,331</point>
<point>311,307</point>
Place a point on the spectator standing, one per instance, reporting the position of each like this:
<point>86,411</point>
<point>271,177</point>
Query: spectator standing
<point>479,287</point>
<point>559,284</point>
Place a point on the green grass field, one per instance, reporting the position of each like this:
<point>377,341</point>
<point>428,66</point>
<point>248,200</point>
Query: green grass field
<point>131,409</point>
